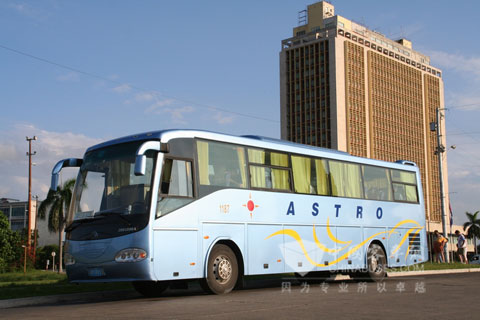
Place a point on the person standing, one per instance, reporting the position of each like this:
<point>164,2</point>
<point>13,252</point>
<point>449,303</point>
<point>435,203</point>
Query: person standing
<point>461,247</point>
<point>439,247</point>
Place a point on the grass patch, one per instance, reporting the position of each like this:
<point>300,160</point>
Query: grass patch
<point>453,265</point>
<point>43,283</point>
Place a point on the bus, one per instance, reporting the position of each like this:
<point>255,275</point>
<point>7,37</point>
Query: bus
<point>166,207</point>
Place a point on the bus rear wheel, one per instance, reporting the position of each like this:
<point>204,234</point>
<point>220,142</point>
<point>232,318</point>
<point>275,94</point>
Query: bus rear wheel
<point>376,263</point>
<point>222,270</point>
<point>150,288</point>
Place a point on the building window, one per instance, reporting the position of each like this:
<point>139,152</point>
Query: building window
<point>19,211</point>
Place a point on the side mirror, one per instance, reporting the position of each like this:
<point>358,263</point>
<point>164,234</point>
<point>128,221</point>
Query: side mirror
<point>72,162</point>
<point>140,165</point>
<point>141,159</point>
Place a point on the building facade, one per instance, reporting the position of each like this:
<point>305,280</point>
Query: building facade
<point>346,87</point>
<point>17,215</point>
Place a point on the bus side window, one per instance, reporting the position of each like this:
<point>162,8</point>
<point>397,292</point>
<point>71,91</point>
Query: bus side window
<point>404,186</point>
<point>377,183</point>
<point>310,176</point>
<point>269,170</point>
<point>221,165</point>
<point>346,179</point>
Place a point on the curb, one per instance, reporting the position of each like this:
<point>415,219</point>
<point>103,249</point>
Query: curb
<point>429,272</point>
<point>68,298</point>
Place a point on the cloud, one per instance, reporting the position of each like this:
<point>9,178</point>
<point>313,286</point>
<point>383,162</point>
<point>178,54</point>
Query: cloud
<point>8,151</point>
<point>456,62</point>
<point>29,11</point>
<point>172,107</point>
<point>178,114</point>
<point>141,97</point>
<point>465,70</point>
<point>156,108</point>
<point>50,147</point>
<point>123,88</point>
<point>467,101</point>
<point>176,109</point>
<point>145,97</point>
<point>222,119</point>
<point>68,77</point>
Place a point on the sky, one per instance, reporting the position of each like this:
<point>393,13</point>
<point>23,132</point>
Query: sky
<point>76,73</point>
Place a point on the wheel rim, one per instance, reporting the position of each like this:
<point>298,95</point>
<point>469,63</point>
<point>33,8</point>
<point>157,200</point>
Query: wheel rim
<point>374,263</point>
<point>222,269</point>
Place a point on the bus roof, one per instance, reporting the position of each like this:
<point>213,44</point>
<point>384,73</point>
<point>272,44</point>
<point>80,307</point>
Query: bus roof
<point>253,141</point>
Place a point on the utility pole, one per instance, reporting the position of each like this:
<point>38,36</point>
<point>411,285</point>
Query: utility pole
<point>30,224</point>
<point>436,126</point>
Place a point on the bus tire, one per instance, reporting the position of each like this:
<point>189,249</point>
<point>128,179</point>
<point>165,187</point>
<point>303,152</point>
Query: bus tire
<point>150,288</point>
<point>222,270</point>
<point>376,263</point>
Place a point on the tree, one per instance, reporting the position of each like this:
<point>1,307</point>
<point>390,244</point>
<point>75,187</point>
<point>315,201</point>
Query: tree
<point>472,226</point>
<point>10,245</point>
<point>55,205</point>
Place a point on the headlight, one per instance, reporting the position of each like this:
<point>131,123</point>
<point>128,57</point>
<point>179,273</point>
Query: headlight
<point>130,255</point>
<point>68,259</point>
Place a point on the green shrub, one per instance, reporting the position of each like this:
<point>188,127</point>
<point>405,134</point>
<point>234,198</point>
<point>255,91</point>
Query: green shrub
<point>44,254</point>
<point>10,247</point>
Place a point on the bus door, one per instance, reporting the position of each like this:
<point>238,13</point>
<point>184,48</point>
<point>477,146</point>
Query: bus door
<point>175,233</point>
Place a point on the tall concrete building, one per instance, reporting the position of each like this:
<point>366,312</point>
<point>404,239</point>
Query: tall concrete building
<point>349,88</point>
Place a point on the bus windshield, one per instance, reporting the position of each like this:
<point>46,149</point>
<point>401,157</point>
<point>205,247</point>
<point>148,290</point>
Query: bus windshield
<point>109,200</point>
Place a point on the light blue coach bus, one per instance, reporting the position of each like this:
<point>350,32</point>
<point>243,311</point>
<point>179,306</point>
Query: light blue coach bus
<point>183,204</point>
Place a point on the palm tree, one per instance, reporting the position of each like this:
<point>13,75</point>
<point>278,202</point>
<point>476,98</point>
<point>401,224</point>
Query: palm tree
<point>55,205</point>
<point>473,226</point>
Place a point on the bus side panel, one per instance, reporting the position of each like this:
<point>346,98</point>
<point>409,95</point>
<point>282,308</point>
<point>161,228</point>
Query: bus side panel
<point>397,247</point>
<point>353,255</point>
<point>300,249</point>
<point>175,254</point>
<point>265,255</point>
<point>214,232</point>
<point>326,247</point>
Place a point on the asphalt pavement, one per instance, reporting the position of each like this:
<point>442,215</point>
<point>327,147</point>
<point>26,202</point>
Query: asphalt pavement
<point>96,297</point>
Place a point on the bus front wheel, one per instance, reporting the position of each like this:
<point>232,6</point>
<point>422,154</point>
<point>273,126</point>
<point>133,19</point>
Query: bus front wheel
<point>222,270</point>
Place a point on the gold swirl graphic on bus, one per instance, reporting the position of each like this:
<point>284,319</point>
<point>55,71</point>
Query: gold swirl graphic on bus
<point>402,223</point>
<point>332,237</point>
<point>294,234</point>
<point>324,248</point>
